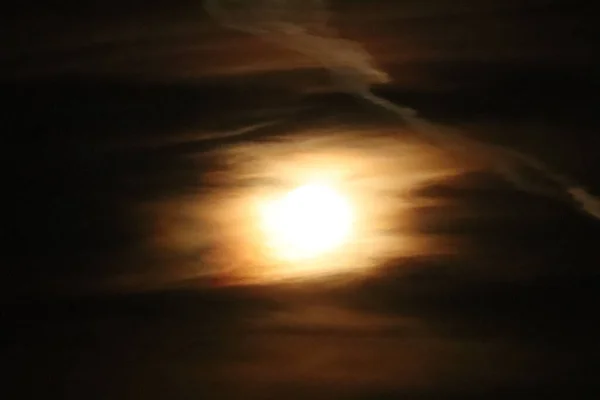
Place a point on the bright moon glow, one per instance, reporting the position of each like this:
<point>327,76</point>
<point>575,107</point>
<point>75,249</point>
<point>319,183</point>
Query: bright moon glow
<point>307,222</point>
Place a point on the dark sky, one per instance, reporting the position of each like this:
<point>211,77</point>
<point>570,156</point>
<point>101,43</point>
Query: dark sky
<point>129,125</point>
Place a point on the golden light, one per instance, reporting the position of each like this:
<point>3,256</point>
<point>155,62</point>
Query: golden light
<point>327,206</point>
<point>307,222</point>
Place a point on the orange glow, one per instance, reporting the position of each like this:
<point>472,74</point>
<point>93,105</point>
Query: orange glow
<point>325,205</point>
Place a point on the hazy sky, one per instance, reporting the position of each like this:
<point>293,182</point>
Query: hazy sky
<point>135,129</point>
<point>83,79</point>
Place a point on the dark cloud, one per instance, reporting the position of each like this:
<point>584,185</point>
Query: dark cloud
<point>179,41</point>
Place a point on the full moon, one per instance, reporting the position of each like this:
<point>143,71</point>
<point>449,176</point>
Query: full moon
<point>307,222</point>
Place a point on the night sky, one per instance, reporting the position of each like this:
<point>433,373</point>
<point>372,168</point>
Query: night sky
<point>133,129</point>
